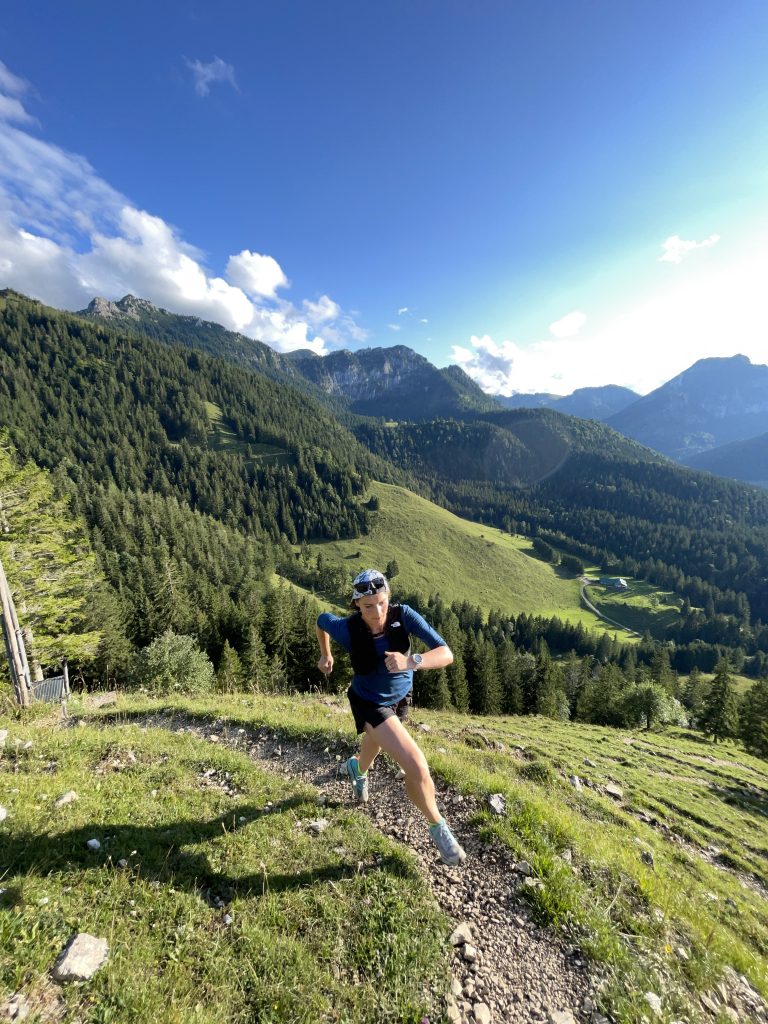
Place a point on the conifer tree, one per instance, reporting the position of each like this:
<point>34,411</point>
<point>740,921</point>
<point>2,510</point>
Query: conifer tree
<point>229,677</point>
<point>255,663</point>
<point>694,694</point>
<point>509,665</point>
<point>485,696</point>
<point>456,673</point>
<point>661,672</point>
<point>719,718</point>
<point>51,568</point>
<point>753,719</point>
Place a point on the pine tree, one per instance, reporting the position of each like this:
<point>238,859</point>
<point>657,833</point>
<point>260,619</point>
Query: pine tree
<point>430,689</point>
<point>694,694</point>
<point>661,672</point>
<point>753,719</point>
<point>719,717</point>
<point>392,570</point>
<point>255,663</point>
<point>509,664</point>
<point>486,694</point>
<point>50,565</point>
<point>456,673</point>
<point>229,677</point>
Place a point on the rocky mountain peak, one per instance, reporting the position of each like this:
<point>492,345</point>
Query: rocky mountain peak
<point>129,307</point>
<point>103,308</point>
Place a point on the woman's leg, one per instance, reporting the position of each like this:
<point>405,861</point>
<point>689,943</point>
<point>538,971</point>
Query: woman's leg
<point>369,748</point>
<point>394,739</point>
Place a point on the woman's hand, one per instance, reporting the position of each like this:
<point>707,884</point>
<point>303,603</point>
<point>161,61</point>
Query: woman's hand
<point>395,661</point>
<point>325,664</point>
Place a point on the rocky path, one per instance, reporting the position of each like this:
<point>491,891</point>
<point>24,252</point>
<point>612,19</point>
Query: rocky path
<point>505,968</point>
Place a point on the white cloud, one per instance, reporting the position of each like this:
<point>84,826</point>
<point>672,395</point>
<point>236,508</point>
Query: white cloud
<point>402,310</point>
<point>148,259</point>
<point>256,274</point>
<point>423,320</point>
<point>322,311</point>
<point>652,340</point>
<point>569,325</point>
<point>11,84</point>
<point>66,235</point>
<point>499,369</point>
<point>11,109</point>
<point>676,248</point>
<point>205,75</point>
<point>394,327</point>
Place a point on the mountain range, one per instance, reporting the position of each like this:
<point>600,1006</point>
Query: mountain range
<point>150,429</point>
<point>395,382</point>
<point>716,402</point>
<point>597,403</point>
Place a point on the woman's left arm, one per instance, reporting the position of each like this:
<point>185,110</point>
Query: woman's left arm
<point>438,657</point>
<point>439,654</point>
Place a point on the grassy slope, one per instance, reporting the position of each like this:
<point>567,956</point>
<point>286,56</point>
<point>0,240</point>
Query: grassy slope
<point>437,551</point>
<point>642,607</point>
<point>663,888</point>
<point>221,437</point>
<point>336,927</point>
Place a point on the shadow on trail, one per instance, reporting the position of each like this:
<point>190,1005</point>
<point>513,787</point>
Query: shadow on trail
<point>163,853</point>
<point>170,716</point>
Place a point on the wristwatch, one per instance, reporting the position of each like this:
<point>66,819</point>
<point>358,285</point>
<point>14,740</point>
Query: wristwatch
<point>417,660</point>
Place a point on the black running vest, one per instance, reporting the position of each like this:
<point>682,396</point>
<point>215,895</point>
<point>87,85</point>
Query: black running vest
<point>363,653</point>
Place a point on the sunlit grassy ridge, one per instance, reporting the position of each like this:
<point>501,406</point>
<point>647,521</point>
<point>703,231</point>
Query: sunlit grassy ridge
<point>663,887</point>
<point>642,607</point>
<point>437,552</point>
<point>330,927</point>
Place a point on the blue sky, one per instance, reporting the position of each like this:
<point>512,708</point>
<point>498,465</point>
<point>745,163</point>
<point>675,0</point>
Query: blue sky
<point>553,195</point>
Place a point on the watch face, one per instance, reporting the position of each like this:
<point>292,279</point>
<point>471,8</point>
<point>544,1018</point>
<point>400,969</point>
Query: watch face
<point>417,659</point>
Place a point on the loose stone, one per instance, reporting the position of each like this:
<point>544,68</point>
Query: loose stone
<point>461,934</point>
<point>653,1001</point>
<point>482,1013</point>
<point>81,958</point>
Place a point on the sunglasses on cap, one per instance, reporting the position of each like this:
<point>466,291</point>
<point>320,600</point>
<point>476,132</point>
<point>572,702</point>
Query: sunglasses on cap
<point>369,587</point>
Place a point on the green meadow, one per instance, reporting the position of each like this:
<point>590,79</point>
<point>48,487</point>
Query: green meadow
<point>222,438</point>
<point>439,553</point>
<point>642,607</point>
<point>662,885</point>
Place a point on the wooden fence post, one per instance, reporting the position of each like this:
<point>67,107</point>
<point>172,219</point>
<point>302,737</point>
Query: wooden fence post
<point>14,643</point>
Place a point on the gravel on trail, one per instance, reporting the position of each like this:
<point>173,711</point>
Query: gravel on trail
<point>504,966</point>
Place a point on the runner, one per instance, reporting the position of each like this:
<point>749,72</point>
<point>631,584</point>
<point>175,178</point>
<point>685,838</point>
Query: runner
<point>377,636</point>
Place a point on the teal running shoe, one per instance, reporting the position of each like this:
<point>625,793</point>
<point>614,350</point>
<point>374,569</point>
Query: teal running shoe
<point>358,780</point>
<point>446,843</point>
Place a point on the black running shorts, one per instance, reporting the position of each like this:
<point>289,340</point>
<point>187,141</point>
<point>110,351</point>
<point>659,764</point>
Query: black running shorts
<point>366,712</point>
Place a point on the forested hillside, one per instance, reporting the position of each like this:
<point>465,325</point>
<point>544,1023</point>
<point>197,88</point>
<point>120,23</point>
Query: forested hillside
<point>193,476</point>
<point>371,382</point>
<point>107,407</point>
<point>197,479</point>
<point>608,501</point>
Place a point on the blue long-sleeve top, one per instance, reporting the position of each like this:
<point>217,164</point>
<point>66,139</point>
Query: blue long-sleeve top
<point>382,687</point>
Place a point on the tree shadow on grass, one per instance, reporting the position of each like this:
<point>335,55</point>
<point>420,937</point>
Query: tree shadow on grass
<point>749,800</point>
<point>171,715</point>
<point>161,853</point>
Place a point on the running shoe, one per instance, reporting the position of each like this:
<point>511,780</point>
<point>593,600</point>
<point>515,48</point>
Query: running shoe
<point>358,780</point>
<point>446,843</point>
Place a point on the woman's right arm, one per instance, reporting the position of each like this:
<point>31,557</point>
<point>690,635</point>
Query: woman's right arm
<point>325,664</point>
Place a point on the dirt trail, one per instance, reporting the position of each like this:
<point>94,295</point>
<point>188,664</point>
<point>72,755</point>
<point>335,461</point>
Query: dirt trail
<point>522,972</point>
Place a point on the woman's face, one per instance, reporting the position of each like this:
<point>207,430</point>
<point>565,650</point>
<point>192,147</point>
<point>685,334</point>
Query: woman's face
<point>373,607</point>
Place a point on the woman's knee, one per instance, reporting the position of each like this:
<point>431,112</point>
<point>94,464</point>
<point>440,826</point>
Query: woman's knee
<point>416,767</point>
